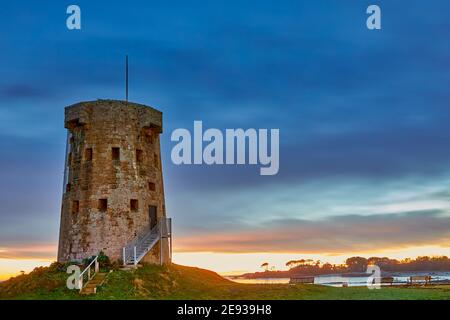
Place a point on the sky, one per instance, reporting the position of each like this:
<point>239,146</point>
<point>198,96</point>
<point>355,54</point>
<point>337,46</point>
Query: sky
<point>363,118</point>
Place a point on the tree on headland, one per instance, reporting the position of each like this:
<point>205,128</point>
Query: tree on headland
<point>327,268</point>
<point>292,263</point>
<point>309,261</point>
<point>265,266</point>
<point>356,264</point>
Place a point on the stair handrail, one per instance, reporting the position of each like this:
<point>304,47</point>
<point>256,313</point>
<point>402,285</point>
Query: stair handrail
<point>81,283</point>
<point>130,250</point>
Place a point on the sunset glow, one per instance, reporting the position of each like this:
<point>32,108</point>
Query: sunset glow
<point>239,263</point>
<point>13,267</point>
<point>362,119</point>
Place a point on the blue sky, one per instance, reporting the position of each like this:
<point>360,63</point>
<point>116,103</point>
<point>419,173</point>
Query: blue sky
<point>363,116</point>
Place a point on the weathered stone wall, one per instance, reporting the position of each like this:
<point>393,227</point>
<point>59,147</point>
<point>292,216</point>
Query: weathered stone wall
<point>95,128</point>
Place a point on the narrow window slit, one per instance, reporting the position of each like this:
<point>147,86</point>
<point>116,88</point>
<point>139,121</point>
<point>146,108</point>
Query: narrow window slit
<point>88,154</point>
<point>116,153</point>
<point>139,155</point>
<point>134,205</point>
<point>103,205</point>
<point>75,206</point>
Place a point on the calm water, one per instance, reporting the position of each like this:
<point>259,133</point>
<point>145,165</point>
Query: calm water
<point>260,280</point>
<point>337,281</point>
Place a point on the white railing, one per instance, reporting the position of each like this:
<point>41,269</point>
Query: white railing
<point>139,247</point>
<point>168,235</point>
<point>166,230</point>
<point>88,274</point>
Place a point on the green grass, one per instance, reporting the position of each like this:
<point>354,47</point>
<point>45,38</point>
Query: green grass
<point>179,282</point>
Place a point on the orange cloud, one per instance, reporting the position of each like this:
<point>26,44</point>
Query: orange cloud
<point>46,251</point>
<point>333,235</point>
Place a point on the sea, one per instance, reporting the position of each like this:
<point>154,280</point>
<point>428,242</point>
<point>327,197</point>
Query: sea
<point>339,280</point>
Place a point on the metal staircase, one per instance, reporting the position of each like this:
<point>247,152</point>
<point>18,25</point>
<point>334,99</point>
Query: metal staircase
<point>142,244</point>
<point>91,286</point>
<point>91,278</point>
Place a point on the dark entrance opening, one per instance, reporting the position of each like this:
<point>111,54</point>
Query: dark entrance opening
<point>153,217</point>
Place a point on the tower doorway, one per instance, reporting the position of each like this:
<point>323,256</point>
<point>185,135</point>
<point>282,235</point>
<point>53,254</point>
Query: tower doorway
<point>152,215</point>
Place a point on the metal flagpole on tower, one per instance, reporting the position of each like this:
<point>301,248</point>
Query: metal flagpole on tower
<point>126,78</point>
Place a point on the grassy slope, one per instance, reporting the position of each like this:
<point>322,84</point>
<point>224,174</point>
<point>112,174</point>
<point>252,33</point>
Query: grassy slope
<point>178,282</point>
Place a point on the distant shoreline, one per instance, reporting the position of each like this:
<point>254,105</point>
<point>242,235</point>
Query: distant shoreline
<point>288,274</point>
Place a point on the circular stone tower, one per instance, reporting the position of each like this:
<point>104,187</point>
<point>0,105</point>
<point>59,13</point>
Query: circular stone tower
<point>113,186</point>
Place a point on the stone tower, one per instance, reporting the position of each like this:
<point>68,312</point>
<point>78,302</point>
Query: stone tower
<point>113,186</point>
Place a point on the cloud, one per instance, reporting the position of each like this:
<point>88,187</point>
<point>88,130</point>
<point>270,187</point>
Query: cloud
<point>348,103</point>
<point>332,235</point>
<point>374,154</point>
<point>23,91</point>
<point>29,251</point>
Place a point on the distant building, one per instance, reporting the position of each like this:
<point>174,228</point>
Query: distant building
<point>113,199</point>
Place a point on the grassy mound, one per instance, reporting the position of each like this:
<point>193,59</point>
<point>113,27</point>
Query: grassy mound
<point>147,282</point>
<point>180,282</point>
<point>38,284</point>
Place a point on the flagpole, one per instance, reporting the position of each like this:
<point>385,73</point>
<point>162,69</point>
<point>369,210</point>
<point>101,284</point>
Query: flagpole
<point>126,78</point>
